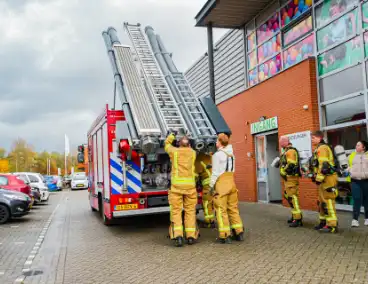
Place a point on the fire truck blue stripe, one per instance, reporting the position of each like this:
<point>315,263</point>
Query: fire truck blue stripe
<point>114,191</point>
<point>115,165</point>
<point>135,167</point>
<point>116,179</point>
<point>133,179</point>
<point>131,190</point>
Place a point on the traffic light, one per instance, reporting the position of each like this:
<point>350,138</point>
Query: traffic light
<point>80,156</point>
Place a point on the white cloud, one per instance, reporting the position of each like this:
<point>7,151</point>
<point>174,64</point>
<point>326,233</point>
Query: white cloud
<point>55,75</point>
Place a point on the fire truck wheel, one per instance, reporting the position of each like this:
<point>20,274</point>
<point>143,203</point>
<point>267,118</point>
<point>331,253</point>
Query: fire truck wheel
<point>106,221</point>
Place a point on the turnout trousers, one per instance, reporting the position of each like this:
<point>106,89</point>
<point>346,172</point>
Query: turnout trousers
<point>291,194</point>
<point>225,201</point>
<point>207,203</point>
<point>178,200</point>
<point>326,201</point>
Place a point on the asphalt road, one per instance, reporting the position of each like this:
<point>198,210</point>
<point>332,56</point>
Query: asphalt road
<point>64,242</point>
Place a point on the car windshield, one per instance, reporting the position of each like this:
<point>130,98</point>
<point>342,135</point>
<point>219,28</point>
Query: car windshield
<point>79,178</point>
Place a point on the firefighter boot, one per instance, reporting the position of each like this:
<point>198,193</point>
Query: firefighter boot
<point>225,241</point>
<point>190,241</point>
<point>179,242</point>
<point>290,220</point>
<point>296,223</point>
<point>237,237</point>
<point>327,229</point>
<point>321,224</point>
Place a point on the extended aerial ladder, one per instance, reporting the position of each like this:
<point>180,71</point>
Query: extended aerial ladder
<point>156,97</point>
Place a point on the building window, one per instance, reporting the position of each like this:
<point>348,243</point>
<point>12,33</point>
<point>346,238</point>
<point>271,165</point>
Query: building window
<point>299,51</point>
<point>268,29</point>
<point>252,60</point>
<point>269,68</point>
<point>293,10</point>
<point>251,41</point>
<point>297,31</point>
<point>365,15</point>
<point>252,77</point>
<point>346,54</point>
<point>347,137</point>
<point>269,48</point>
<point>335,86</point>
<point>337,31</point>
<point>345,111</point>
<point>330,9</point>
<point>366,44</point>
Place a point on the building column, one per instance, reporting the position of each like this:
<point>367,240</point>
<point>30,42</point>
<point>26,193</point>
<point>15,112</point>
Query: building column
<point>211,61</point>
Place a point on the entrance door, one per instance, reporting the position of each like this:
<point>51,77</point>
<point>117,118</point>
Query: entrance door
<point>268,178</point>
<point>274,180</point>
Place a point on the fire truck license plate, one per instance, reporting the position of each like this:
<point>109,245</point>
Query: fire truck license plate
<point>126,207</point>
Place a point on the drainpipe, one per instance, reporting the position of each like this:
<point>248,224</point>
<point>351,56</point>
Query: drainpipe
<point>211,61</point>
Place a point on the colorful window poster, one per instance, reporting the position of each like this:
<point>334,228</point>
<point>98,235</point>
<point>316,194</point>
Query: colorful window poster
<point>269,68</point>
<point>269,48</point>
<point>252,41</point>
<point>293,10</point>
<point>366,44</point>
<point>252,77</point>
<point>365,15</point>
<point>298,31</point>
<point>299,51</point>
<point>268,29</point>
<point>348,53</point>
<point>338,30</point>
<point>332,8</point>
<point>252,60</point>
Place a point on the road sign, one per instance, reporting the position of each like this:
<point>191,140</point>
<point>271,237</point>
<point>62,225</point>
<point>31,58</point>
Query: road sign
<point>4,166</point>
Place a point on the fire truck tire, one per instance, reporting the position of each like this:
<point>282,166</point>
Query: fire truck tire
<point>105,220</point>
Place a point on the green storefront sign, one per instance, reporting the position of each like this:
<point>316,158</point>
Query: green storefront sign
<point>265,125</point>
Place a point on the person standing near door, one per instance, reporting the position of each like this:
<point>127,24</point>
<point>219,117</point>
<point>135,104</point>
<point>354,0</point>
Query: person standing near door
<point>325,176</point>
<point>204,172</point>
<point>225,193</point>
<point>289,171</point>
<point>358,169</point>
<point>183,193</point>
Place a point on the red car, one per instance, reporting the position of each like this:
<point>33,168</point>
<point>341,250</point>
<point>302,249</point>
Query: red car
<point>14,183</point>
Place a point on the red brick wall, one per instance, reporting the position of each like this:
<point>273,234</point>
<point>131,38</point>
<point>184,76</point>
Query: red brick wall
<point>283,96</point>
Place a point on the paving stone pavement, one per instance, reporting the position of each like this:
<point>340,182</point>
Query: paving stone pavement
<point>79,249</point>
<point>18,237</point>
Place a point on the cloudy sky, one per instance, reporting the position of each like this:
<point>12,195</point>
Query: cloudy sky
<point>55,75</point>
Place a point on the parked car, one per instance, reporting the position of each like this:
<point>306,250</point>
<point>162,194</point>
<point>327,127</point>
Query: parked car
<point>79,182</point>
<point>13,204</point>
<point>53,183</point>
<point>36,181</point>
<point>67,180</point>
<point>14,183</point>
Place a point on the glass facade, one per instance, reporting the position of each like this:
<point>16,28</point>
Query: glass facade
<point>335,32</point>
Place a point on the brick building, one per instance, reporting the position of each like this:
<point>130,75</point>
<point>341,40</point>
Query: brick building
<point>285,67</point>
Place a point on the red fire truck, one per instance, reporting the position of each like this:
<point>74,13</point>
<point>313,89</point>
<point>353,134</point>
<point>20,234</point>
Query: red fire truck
<point>121,185</point>
<point>129,171</point>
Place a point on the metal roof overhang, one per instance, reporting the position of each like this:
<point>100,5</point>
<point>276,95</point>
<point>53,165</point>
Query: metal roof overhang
<point>229,14</point>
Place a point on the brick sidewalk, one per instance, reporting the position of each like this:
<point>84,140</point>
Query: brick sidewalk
<point>137,251</point>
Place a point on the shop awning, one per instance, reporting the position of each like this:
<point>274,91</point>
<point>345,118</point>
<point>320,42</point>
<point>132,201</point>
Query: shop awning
<point>229,14</point>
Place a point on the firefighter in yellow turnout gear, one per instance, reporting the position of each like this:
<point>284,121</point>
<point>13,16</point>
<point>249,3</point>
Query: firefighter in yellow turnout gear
<point>225,193</point>
<point>204,172</point>
<point>183,193</point>
<point>325,177</point>
<point>289,171</point>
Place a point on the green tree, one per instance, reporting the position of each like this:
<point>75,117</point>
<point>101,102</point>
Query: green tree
<point>21,157</point>
<point>2,153</point>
